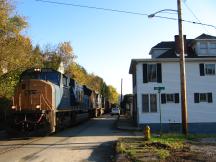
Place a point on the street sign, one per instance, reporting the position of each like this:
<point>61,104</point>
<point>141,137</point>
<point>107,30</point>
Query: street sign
<point>159,88</point>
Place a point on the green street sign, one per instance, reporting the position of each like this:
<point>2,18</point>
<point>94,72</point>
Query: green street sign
<point>159,88</point>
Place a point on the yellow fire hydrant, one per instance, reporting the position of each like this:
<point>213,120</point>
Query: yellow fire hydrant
<point>147,133</point>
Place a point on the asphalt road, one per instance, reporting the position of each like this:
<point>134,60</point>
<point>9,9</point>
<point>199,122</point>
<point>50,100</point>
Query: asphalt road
<point>92,141</point>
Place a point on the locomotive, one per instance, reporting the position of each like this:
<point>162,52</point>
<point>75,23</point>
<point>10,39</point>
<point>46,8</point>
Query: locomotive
<point>47,99</point>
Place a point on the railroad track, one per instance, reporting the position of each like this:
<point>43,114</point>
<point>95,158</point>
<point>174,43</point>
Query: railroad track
<point>16,145</point>
<point>7,146</point>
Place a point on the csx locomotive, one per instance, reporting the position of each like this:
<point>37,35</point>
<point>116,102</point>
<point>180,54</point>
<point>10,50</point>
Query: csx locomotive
<point>48,99</point>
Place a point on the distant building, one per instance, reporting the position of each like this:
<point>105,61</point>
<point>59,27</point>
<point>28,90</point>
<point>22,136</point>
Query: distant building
<point>163,70</point>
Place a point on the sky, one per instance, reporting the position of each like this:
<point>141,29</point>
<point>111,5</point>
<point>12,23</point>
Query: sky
<point>105,41</point>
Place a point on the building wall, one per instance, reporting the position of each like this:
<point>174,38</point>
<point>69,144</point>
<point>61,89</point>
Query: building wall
<point>171,112</point>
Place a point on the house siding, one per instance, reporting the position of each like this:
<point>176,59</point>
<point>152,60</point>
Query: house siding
<point>202,112</point>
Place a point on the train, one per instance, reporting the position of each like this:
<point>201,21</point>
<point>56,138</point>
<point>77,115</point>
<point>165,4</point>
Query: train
<point>49,100</point>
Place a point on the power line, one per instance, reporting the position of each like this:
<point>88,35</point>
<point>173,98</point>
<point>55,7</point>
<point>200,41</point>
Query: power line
<point>92,7</point>
<point>121,11</point>
<point>194,15</point>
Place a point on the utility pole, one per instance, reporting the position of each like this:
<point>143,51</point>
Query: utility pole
<point>121,89</point>
<point>182,73</point>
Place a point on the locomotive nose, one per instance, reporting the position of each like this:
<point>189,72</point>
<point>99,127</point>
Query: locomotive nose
<point>33,95</point>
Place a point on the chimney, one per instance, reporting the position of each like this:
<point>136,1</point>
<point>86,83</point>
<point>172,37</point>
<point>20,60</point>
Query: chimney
<point>177,44</point>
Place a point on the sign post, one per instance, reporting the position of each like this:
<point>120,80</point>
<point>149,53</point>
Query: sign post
<point>159,89</point>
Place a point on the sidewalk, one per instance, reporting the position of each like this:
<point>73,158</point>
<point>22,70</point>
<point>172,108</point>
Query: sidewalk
<point>126,123</point>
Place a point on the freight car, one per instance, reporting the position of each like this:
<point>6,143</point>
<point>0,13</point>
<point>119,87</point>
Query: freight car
<point>47,99</point>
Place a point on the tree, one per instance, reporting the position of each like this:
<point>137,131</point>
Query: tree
<point>113,95</point>
<point>94,82</point>
<point>15,48</point>
<point>65,51</point>
<point>78,73</point>
<point>37,57</point>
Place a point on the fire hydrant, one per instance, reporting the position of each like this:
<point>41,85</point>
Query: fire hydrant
<point>147,133</point>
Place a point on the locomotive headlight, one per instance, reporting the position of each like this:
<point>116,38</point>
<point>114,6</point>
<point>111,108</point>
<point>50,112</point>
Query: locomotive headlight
<point>38,106</point>
<point>13,107</point>
<point>37,69</point>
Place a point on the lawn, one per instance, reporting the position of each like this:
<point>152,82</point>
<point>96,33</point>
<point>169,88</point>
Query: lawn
<point>169,147</point>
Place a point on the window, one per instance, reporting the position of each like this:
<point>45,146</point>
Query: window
<point>203,45</point>
<point>169,98</point>
<point>207,69</point>
<point>145,103</point>
<point>152,72</point>
<point>203,97</point>
<point>153,103</point>
<point>210,69</point>
<point>212,45</point>
<point>149,103</point>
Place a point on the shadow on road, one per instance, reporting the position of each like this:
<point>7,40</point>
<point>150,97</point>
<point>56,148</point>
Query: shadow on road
<point>102,126</point>
<point>104,152</point>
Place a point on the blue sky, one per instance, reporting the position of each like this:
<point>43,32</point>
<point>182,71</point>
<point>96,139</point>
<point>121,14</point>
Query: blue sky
<point>105,42</point>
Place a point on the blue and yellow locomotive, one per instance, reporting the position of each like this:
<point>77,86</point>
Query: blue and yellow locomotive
<point>46,98</point>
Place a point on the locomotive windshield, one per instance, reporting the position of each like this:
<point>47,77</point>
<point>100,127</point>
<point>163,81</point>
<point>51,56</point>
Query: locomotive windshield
<point>51,76</point>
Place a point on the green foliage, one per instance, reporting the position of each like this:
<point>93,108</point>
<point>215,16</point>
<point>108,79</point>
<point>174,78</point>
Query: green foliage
<point>78,73</point>
<point>17,54</point>
<point>8,83</point>
<point>94,82</point>
<point>113,95</point>
<point>15,48</point>
<point>37,58</point>
<point>65,51</point>
<point>158,148</point>
<point>53,62</point>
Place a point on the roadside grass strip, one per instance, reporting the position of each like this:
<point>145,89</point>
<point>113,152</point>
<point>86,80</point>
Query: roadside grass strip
<point>162,148</point>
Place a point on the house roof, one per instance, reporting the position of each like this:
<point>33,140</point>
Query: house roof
<point>168,44</point>
<point>171,52</point>
<point>205,36</point>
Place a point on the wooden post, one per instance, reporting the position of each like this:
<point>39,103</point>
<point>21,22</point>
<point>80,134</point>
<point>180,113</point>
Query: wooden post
<point>182,73</point>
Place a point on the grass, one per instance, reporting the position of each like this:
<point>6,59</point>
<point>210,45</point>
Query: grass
<point>159,148</point>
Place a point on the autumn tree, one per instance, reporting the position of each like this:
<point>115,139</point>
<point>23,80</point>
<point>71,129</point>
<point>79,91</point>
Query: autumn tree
<point>15,48</point>
<point>37,57</point>
<point>113,95</point>
<point>65,51</point>
<point>94,82</point>
<point>78,73</point>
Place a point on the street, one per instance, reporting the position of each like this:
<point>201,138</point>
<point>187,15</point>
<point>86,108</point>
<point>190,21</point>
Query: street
<point>91,141</point>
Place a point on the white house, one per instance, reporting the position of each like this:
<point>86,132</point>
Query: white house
<point>163,70</point>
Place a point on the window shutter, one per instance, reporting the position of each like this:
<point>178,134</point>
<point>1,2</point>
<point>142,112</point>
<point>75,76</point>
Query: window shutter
<point>176,98</point>
<point>145,79</point>
<point>209,97</point>
<point>163,98</point>
<point>196,97</point>
<point>159,73</point>
<point>201,66</point>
